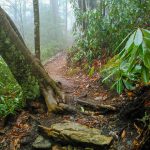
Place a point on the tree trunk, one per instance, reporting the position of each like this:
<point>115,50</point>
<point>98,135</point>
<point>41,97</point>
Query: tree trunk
<point>80,4</point>
<point>36,28</point>
<point>92,4</point>
<point>82,7</point>
<point>66,16</point>
<point>27,70</point>
<point>84,20</point>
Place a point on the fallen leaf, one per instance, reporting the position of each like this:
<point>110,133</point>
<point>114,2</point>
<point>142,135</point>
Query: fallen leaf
<point>82,109</point>
<point>87,86</point>
<point>15,144</point>
<point>96,94</point>
<point>130,94</point>
<point>136,143</point>
<point>123,135</point>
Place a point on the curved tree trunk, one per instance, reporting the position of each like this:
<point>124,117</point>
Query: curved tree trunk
<point>26,69</point>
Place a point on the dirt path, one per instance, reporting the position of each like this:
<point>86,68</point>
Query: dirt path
<point>22,130</point>
<point>78,83</point>
<point>91,90</point>
<point>56,68</point>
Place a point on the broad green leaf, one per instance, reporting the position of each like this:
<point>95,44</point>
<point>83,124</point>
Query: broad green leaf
<point>145,74</point>
<point>130,41</point>
<point>123,41</point>
<point>131,65</point>
<point>144,47</point>
<point>141,51</point>
<point>128,84</point>
<point>127,54</point>
<point>147,60</point>
<point>138,38</point>
<point>120,86</point>
<point>146,33</point>
<point>122,52</point>
<point>147,41</point>
<point>132,59</point>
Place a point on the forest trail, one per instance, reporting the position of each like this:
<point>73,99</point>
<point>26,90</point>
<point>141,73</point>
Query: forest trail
<point>23,129</point>
<point>78,83</point>
<point>55,65</point>
<point>91,90</point>
<point>56,68</point>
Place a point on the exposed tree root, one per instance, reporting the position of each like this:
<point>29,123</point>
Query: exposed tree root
<point>96,107</point>
<point>28,71</point>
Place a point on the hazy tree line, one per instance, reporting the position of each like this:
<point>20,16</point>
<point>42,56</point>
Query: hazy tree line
<point>56,20</point>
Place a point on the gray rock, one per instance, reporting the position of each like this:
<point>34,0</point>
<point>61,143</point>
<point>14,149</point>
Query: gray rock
<point>41,143</point>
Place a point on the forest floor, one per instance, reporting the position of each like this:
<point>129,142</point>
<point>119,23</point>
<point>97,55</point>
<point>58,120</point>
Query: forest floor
<point>22,130</point>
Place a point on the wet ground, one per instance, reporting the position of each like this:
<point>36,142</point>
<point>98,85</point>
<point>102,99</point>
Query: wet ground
<point>22,129</point>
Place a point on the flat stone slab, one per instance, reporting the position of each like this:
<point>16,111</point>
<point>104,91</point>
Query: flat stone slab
<point>71,132</point>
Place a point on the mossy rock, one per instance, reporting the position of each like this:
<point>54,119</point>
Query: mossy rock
<point>74,133</point>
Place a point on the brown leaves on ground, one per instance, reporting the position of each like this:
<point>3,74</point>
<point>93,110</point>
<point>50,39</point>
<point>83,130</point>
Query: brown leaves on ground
<point>18,130</point>
<point>78,84</point>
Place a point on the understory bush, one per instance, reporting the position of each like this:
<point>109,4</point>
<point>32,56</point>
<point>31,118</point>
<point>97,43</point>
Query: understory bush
<point>132,65</point>
<point>11,97</point>
<point>51,50</point>
<point>106,26</point>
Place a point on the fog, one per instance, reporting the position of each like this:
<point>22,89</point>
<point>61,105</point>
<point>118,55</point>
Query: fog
<point>56,22</point>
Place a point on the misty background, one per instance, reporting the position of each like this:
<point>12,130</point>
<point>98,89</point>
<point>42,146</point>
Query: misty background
<point>56,22</point>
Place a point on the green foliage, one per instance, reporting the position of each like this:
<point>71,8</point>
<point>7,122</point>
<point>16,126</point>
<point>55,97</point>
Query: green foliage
<point>78,56</point>
<point>132,64</point>
<point>11,97</point>
<point>51,49</point>
<point>107,25</point>
<point>31,91</point>
<point>91,71</point>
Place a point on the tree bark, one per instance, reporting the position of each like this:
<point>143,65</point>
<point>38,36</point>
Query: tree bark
<point>27,70</point>
<point>36,28</point>
<point>92,4</point>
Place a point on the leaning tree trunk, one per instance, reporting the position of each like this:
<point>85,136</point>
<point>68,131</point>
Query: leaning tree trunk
<point>26,69</point>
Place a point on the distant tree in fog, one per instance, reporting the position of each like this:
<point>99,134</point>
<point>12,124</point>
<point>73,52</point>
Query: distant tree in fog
<point>56,20</point>
<point>36,28</point>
